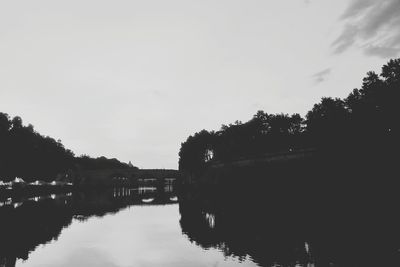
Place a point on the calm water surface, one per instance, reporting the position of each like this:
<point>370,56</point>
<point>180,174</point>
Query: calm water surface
<point>126,227</point>
<point>134,236</point>
<point>112,229</point>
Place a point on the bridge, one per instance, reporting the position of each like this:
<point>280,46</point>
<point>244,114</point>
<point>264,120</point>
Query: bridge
<point>125,177</point>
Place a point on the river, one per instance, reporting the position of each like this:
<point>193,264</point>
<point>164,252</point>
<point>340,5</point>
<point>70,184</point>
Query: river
<point>107,229</point>
<point>126,227</point>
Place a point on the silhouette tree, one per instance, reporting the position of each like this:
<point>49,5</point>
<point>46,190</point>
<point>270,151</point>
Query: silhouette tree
<point>193,153</point>
<point>326,122</point>
<point>366,119</point>
<point>27,154</point>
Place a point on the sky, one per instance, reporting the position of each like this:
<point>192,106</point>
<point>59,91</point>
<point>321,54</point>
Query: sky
<point>133,79</point>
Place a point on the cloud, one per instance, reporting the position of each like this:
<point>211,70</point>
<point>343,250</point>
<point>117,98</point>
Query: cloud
<point>346,39</point>
<point>371,25</point>
<point>356,7</point>
<point>381,51</point>
<point>322,75</point>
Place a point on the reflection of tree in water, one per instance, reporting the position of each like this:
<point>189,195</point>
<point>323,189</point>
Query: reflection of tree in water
<point>249,231</point>
<point>23,228</point>
<point>31,224</point>
<point>240,236</point>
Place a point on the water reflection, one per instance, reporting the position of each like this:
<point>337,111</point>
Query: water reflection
<point>251,231</point>
<point>27,223</point>
<point>101,229</point>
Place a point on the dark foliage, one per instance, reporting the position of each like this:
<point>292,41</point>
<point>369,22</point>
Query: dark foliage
<point>27,154</point>
<point>90,163</point>
<point>365,121</point>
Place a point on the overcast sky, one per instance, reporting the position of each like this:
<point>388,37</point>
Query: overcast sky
<point>133,79</point>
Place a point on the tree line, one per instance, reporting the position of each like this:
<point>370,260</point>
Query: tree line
<point>366,122</point>
<point>27,154</point>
